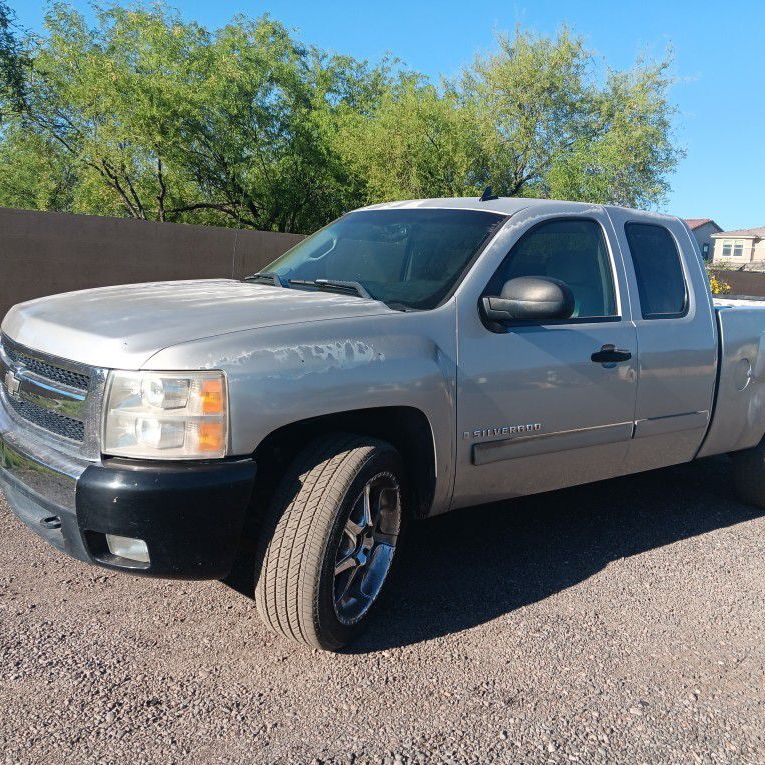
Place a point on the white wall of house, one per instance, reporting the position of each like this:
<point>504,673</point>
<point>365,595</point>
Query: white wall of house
<point>738,250</point>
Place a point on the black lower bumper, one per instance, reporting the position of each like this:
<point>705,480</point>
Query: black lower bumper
<point>190,515</point>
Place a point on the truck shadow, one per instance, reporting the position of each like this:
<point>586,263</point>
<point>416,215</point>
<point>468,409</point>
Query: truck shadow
<point>470,566</point>
<point>473,565</point>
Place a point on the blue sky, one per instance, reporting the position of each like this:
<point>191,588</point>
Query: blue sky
<point>719,62</point>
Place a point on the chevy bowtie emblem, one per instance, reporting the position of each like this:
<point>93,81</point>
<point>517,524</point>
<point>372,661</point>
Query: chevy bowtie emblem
<point>12,383</point>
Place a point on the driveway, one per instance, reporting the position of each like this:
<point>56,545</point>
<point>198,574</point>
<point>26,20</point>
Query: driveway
<point>622,622</point>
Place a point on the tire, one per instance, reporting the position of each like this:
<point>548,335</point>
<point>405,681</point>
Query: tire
<point>749,474</point>
<point>325,501</point>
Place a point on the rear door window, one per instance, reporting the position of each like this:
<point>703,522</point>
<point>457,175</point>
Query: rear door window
<point>659,272</point>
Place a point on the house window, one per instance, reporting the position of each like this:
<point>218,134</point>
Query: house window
<point>734,248</point>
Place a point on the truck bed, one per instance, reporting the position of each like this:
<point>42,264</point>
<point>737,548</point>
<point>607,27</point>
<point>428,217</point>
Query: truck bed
<point>738,416</point>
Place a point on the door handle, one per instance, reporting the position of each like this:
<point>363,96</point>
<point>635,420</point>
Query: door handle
<point>610,354</point>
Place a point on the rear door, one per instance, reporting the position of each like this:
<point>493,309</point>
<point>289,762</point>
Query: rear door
<point>535,411</point>
<point>676,338</point>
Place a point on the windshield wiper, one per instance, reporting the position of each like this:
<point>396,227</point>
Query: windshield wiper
<point>400,307</point>
<point>270,277</point>
<point>334,284</point>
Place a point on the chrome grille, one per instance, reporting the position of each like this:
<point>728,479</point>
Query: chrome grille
<point>50,372</point>
<point>56,397</point>
<point>63,426</point>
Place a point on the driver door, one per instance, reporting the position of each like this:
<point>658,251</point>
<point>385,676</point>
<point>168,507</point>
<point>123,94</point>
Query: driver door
<point>535,411</point>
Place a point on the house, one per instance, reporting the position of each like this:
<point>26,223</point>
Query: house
<point>703,229</point>
<point>746,245</point>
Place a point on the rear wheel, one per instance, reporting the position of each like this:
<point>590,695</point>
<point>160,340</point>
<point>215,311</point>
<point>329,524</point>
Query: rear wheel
<point>329,540</point>
<point>749,474</point>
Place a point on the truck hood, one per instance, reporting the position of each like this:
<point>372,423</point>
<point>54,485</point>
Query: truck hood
<point>122,327</point>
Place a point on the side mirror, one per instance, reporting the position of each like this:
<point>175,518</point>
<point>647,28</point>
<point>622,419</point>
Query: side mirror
<point>530,298</point>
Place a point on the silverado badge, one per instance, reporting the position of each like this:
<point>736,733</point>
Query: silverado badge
<point>503,430</point>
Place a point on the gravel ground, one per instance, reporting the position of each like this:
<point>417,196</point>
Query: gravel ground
<point>620,622</point>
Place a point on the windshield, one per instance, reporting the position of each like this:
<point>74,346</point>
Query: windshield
<point>408,258</point>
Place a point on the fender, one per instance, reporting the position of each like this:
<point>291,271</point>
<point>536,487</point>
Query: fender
<point>284,374</point>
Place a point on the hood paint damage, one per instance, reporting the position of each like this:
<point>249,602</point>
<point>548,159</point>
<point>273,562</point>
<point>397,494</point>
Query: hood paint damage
<point>122,327</point>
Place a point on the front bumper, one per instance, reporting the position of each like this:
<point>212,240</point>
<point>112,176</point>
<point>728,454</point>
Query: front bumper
<point>190,515</point>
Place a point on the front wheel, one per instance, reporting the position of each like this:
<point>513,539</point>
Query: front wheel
<point>329,539</point>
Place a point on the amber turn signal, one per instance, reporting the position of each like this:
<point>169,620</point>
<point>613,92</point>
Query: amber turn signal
<point>210,437</point>
<point>212,396</point>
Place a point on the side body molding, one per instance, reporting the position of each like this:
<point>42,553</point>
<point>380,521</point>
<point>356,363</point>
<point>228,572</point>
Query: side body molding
<point>545,443</point>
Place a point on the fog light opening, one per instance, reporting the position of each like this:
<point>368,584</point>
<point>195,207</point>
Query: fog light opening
<point>126,547</point>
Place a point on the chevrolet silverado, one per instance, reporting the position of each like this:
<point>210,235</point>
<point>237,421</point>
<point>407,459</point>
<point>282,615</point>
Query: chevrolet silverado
<point>408,359</point>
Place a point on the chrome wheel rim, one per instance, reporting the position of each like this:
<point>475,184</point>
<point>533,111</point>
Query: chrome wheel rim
<point>367,545</point>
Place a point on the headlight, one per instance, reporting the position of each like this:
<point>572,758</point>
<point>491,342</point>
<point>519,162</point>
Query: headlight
<point>166,415</point>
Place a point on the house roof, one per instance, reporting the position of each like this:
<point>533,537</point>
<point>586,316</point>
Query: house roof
<point>699,222</point>
<point>742,233</point>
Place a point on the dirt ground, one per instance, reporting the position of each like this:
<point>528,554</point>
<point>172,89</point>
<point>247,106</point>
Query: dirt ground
<point>622,622</point>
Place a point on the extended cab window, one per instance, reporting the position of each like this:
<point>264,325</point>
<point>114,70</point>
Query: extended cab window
<point>573,251</point>
<point>659,274</point>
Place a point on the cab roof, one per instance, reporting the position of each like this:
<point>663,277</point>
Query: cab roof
<point>504,205</point>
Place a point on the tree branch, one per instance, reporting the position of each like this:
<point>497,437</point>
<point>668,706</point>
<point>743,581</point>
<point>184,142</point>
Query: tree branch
<point>162,190</point>
<point>133,192</point>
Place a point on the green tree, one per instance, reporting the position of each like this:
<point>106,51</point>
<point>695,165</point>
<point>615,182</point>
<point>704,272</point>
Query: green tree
<point>36,173</point>
<point>533,119</point>
<point>145,115</point>
<point>418,142</point>
<point>628,152</point>
<point>161,119</point>
<point>13,61</point>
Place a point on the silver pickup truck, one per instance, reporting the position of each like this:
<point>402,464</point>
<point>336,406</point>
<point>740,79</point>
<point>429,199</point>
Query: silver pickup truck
<point>408,359</point>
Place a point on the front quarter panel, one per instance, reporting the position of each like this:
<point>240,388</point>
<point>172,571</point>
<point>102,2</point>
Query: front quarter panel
<point>284,374</point>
